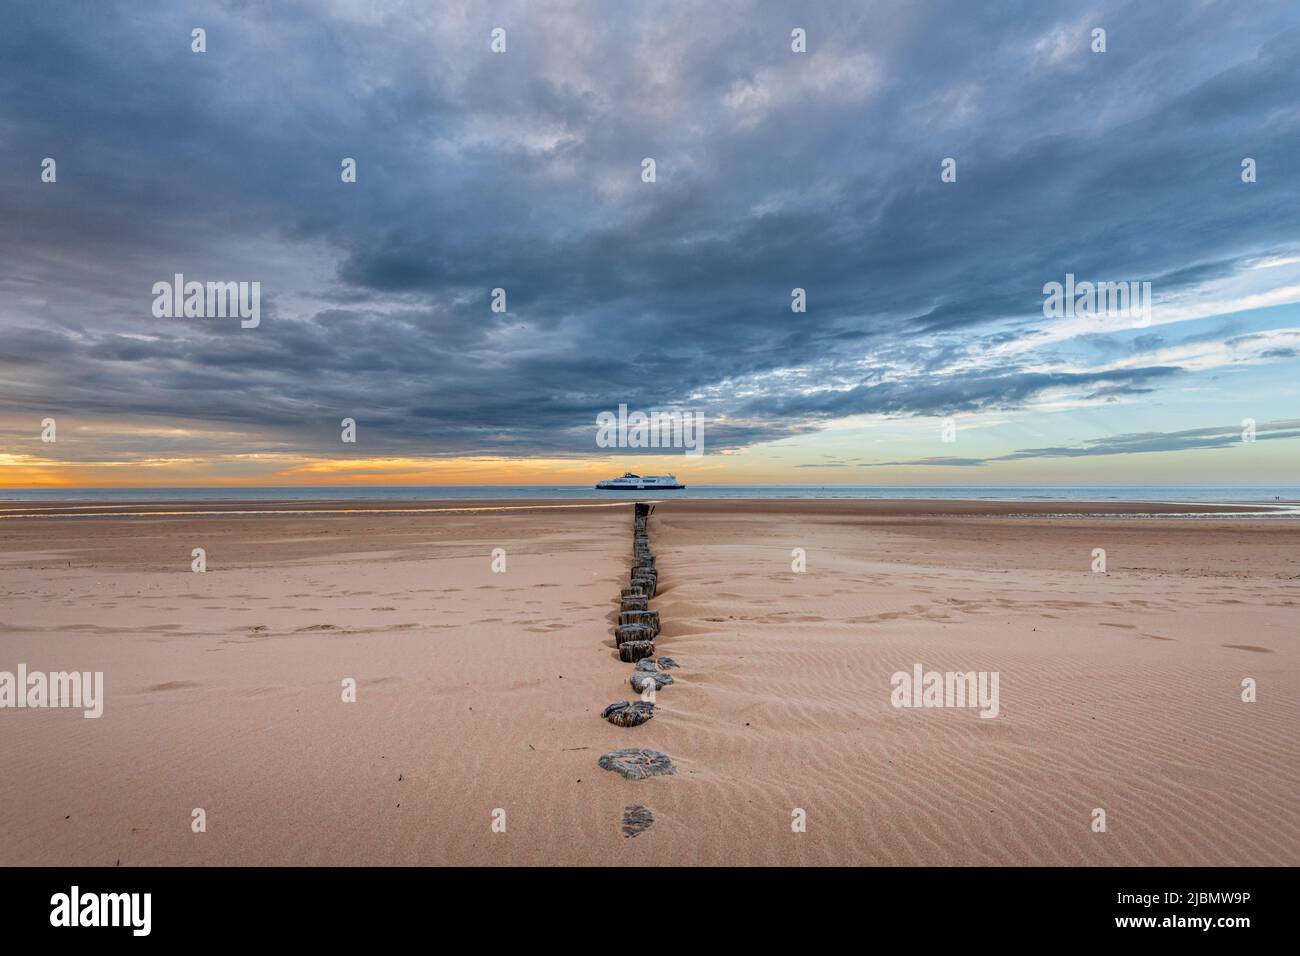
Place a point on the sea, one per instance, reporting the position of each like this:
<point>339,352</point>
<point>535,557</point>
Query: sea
<point>1203,494</point>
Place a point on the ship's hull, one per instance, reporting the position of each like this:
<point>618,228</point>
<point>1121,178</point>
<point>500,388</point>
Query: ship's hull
<point>617,486</point>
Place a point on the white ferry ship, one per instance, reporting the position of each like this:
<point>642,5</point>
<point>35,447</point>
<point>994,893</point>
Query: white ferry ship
<point>631,482</point>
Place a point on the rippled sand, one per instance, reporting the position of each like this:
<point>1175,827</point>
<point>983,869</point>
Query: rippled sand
<point>480,691</point>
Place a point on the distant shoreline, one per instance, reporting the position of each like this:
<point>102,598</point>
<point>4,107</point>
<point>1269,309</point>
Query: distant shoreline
<point>1232,494</point>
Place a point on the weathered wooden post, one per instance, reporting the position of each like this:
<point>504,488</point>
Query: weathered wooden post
<point>649,618</point>
<point>629,713</point>
<point>633,651</point>
<point>624,633</point>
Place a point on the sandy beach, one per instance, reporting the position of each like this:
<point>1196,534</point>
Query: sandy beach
<point>480,691</point>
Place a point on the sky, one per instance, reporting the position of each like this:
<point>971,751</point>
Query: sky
<point>925,354</point>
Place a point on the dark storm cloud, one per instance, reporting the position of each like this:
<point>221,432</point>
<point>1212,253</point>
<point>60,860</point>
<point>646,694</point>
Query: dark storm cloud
<point>522,171</point>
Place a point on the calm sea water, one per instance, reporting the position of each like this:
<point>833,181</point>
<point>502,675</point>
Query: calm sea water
<point>1186,493</point>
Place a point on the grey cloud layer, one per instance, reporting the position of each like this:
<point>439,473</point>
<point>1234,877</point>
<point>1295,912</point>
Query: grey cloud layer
<point>522,171</point>
<point>1136,443</point>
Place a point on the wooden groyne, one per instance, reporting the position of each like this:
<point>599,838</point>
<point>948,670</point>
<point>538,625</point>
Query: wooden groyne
<point>637,627</point>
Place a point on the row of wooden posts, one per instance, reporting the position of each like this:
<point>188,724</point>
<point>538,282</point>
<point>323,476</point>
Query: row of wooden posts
<point>638,626</point>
